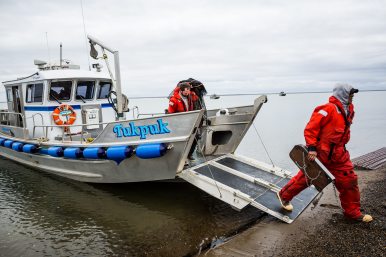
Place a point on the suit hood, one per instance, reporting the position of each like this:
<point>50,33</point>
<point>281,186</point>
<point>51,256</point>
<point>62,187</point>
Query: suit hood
<point>342,93</point>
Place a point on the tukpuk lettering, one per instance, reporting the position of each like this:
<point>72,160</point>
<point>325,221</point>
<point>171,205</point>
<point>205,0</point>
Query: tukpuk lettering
<point>142,131</point>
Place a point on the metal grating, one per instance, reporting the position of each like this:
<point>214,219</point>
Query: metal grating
<point>249,169</point>
<point>262,197</point>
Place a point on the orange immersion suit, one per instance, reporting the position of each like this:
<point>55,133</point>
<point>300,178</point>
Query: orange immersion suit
<point>176,104</point>
<point>327,132</point>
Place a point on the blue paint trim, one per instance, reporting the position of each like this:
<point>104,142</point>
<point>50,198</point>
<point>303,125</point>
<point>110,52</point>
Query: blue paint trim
<point>52,108</point>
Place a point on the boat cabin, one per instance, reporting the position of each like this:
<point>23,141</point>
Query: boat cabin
<point>37,104</point>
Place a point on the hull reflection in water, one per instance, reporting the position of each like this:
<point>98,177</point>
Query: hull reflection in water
<point>45,215</point>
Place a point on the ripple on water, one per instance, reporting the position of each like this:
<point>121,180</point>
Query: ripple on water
<point>46,215</point>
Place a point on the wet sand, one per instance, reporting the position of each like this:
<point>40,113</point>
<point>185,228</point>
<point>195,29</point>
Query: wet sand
<point>321,230</point>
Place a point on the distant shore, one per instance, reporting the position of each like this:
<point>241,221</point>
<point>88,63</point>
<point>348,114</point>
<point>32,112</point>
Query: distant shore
<point>321,230</point>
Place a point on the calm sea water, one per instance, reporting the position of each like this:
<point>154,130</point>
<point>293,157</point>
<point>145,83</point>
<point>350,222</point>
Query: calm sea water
<point>45,215</point>
<point>281,121</point>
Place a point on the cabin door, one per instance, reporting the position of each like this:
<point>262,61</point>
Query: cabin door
<point>15,105</point>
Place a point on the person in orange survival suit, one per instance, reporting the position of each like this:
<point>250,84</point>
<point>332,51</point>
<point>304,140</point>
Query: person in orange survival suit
<point>326,135</point>
<point>183,100</point>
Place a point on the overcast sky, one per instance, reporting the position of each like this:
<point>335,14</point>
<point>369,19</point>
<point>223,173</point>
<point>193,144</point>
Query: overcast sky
<point>232,46</point>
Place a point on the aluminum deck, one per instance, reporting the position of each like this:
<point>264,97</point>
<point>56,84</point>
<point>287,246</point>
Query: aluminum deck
<point>240,181</point>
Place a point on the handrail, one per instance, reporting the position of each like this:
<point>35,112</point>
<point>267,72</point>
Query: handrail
<point>108,122</point>
<point>45,127</point>
<point>33,121</point>
<point>15,113</point>
<point>150,114</point>
<point>133,111</point>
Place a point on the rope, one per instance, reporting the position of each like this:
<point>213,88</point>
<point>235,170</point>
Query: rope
<point>316,200</point>
<point>303,167</point>
<point>253,94</point>
<point>207,164</point>
<point>85,35</point>
<point>261,140</point>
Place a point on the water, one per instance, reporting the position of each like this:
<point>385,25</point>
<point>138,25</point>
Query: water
<point>281,122</point>
<point>45,215</point>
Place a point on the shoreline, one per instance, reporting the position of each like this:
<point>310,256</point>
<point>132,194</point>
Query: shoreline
<point>320,230</point>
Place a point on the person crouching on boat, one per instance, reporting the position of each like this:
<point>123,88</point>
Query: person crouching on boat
<point>183,100</point>
<point>326,135</point>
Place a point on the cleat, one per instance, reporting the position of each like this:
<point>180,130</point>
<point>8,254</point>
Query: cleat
<point>285,205</point>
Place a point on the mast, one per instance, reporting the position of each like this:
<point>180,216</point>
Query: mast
<point>61,55</point>
<point>117,81</point>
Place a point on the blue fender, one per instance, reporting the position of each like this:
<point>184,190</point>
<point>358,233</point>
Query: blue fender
<point>148,151</point>
<point>94,153</point>
<point>55,151</point>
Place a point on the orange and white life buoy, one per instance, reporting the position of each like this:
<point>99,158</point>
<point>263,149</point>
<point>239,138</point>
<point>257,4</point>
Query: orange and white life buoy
<point>64,115</point>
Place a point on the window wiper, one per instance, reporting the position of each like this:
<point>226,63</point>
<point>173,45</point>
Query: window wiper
<point>81,98</point>
<point>56,99</point>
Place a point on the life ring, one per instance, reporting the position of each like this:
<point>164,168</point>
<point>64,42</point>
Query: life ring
<point>64,115</point>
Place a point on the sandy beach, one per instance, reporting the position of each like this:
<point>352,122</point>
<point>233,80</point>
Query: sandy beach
<point>321,230</point>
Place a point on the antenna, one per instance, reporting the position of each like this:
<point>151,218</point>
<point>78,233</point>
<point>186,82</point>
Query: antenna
<point>48,48</point>
<point>85,35</point>
<point>61,55</point>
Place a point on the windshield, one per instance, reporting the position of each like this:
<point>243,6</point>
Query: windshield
<point>104,89</point>
<point>60,90</point>
<point>85,90</point>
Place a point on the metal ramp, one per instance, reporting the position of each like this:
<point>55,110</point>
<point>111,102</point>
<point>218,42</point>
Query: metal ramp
<point>240,181</point>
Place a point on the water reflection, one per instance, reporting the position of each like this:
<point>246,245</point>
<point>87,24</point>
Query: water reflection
<point>47,215</point>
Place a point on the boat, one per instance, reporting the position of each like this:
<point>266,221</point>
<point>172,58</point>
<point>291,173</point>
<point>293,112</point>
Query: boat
<point>76,124</point>
<point>282,93</point>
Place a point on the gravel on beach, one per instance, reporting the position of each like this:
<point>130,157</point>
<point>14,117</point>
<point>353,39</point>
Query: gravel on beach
<point>321,230</point>
<point>341,237</point>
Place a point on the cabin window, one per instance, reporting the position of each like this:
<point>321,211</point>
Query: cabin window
<point>60,90</point>
<point>34,93</point>
<point>9,95</point>
<point>104,89</point>
<point>85,90</point>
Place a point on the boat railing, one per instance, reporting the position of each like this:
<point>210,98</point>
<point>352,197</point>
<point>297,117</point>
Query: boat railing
<point>4,117</point>
<point>66,129</point>
<point>135,108</point>
<point>137,114</point>
<point>33,119</point>
<point>150,114</point>
<point>82,133</point>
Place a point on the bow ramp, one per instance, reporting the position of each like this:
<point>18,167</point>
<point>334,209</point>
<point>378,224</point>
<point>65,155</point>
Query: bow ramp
<point>240,181</point>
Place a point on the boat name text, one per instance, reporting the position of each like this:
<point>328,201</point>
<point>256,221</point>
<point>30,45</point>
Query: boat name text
<point>142,131</point>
